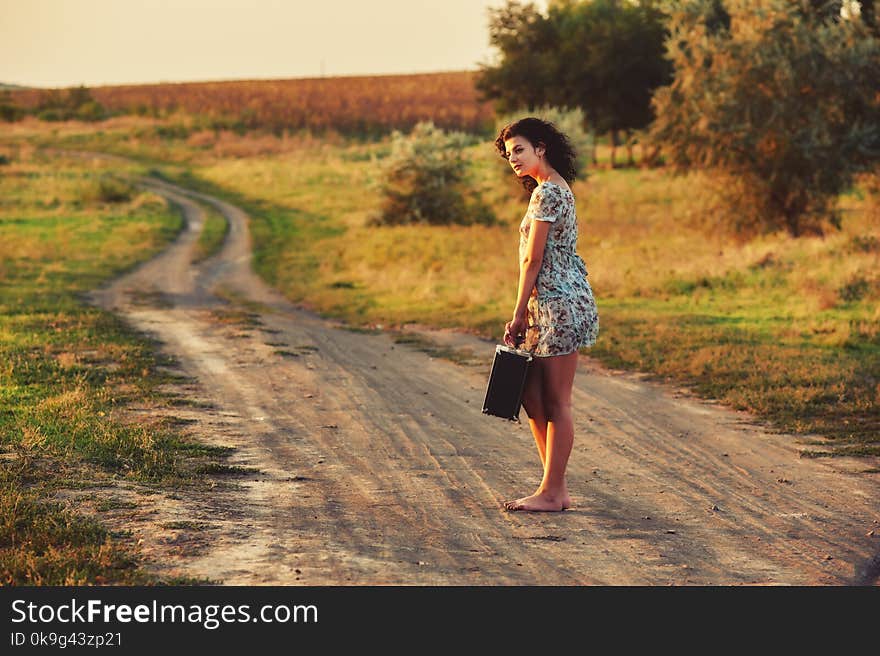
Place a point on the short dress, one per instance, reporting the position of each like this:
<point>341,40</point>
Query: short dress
<point>562,313</point>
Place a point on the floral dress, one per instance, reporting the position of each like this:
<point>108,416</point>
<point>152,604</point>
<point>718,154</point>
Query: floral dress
<point>562,313</point>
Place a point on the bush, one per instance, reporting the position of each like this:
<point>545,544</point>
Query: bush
<point>854,290</point>
<point>172,131</point>
<point>91,111</point>
<point>426,181</point>
<point>112,190</point>
<point>51,115</point>
<point>76,102</point>
<point>10,113</point>
<point>782,107</point>
<point>107,189</point>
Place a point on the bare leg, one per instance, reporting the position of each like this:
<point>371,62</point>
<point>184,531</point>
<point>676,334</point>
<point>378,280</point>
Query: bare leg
<point>558,379</point>
<point>539,432</point>
<point>533,403</point>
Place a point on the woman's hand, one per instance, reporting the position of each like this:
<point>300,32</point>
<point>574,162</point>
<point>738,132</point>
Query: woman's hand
<point>515,331</point>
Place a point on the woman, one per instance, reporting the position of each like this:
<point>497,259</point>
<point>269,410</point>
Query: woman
<point>555,313</point>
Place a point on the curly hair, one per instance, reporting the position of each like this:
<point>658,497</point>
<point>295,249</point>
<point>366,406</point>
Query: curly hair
<point>560,153</point>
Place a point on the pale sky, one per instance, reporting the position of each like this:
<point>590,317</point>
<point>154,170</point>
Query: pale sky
<point>55,43</point>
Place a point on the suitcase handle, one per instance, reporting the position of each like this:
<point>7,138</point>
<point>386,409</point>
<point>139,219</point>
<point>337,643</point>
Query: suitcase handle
<point>509,349</point>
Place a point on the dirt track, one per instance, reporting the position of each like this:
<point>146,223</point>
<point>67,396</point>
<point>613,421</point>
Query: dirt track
<point>375,464</point>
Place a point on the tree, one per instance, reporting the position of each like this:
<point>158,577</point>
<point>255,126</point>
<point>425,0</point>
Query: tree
<point>612,59</point>
<point>528,71</point>
<point>602,56</point>
<point>782,107</point>
<point>77,102</point>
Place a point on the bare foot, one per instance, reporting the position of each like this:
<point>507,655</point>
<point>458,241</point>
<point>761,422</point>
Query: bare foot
<point>539,502</point>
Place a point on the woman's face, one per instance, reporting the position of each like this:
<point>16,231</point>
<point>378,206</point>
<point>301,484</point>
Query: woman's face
<point>522,156</point>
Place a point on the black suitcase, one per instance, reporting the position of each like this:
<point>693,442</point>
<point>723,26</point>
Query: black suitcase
<point>506,381</point>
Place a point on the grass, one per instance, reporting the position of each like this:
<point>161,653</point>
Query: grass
<point>435,350</point>
<point>44,543</point>
<point>786,329</point>
<point>186,526</point>
<point>68,371</point>
<point>213,234</point>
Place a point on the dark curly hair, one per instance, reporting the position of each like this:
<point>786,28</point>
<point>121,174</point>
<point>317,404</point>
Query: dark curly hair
<point>560,153</point>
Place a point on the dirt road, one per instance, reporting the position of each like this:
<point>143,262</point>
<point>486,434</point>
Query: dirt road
<point>373,463</point>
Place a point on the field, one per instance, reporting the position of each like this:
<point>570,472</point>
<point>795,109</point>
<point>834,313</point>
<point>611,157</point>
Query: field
<point>786,329</point>
<point>363,105</point>
<point>782,327</point>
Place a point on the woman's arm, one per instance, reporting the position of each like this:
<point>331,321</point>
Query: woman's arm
<point>528,275</point>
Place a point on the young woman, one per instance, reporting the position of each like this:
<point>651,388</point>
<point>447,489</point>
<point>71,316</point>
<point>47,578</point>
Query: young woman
<point>555,313</point>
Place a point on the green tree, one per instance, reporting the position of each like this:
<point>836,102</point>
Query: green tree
<point>781,107</point>
<point>526,40</point>
<point>611,61</point>
<point>76,97</point>
<point>76,102</point>
<point>604,57</point>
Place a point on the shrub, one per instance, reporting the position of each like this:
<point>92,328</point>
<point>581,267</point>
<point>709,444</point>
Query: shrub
<point>51,115</point>
<point>90,111</point>
<point>854,290</point>
<point>426,181</point>
<point>107,189</point>
<point>76,102</point>
<point>112,190</point>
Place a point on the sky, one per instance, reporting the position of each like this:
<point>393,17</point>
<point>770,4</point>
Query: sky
<point>59,43</point>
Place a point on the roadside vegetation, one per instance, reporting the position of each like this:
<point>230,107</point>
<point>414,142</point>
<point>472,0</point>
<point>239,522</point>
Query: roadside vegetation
<point>69,372</point>
<point>783,328</point>
<point>786,329</point>
<point>213,234</point>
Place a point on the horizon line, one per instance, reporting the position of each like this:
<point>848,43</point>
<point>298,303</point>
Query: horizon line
<point>21,86</point>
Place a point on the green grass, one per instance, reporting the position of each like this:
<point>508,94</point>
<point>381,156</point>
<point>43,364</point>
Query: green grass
<point>435,350</point>
<point>186,526</point>
<point>787,329</point>
<point>68,370</point>
<point>213,234</point>
<point>752,363</point>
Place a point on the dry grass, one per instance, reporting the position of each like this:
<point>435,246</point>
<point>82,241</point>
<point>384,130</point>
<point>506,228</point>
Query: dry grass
<point>678,296</point>
<point>784,328</point>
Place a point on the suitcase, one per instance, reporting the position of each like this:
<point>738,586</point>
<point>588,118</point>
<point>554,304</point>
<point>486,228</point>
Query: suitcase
<point>506,382</point>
